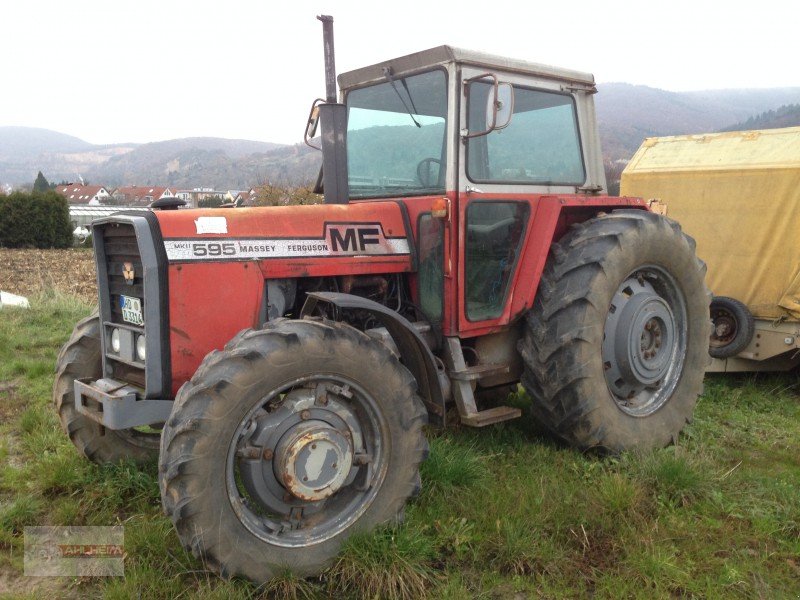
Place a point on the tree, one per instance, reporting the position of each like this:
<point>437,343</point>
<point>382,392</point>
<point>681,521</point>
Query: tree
<point>210,202</point>
<point>41,184</point>
<point>273,195</point>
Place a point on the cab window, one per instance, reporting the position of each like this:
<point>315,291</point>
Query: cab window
<point>541,145</point>
<point>493,242</point>
<point>396,137</point>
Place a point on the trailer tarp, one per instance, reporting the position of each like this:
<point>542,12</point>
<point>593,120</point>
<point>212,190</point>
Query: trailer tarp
<point>738,195</point>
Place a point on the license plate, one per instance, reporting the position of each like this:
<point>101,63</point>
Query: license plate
<point>131,310</point>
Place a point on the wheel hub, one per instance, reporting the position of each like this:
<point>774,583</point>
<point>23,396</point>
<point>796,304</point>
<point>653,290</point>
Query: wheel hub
<point>313,460</point>
<point>639,343</point>
<point>643,334</point>
<point>724,328</point>
<point>301,460</point>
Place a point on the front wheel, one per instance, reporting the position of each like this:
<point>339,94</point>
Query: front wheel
<point>287,442</point>
<point>616,344</point>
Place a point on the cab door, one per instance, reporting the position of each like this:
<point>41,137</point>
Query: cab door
<point>492,223</point>
<point>520,141</point>
<point>493,232</point>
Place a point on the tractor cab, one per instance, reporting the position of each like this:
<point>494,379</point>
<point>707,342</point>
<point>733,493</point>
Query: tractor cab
<point>470,144</point>
<point>451,121</point>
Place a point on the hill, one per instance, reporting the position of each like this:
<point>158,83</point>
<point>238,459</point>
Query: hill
<point>627,113</point>
<point>27,142</point>
<point>185,162</point>
<point>785,116</point>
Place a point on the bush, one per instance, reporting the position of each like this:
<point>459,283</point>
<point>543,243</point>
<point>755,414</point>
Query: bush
<point>35,220</point>
<point>273,195</point>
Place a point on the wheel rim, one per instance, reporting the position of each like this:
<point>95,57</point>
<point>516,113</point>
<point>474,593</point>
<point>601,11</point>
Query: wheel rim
<point>307,461</point>
<point>724,328</point>
<point>644,341</point>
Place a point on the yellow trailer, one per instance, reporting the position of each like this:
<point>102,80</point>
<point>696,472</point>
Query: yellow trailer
<point>738,195</point>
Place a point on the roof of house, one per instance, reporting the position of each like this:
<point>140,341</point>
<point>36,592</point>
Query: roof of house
<point>138,193</point>
<point>75,193</point>
<point>247,198</point>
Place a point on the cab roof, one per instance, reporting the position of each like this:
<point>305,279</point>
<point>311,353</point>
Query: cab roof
<point>446,54</point>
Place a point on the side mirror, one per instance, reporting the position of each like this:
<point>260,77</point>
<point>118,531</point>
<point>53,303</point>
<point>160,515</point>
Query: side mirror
<point>312,124</point>
<point>499,105</point>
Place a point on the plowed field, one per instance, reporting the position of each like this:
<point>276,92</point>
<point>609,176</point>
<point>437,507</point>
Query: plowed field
<point>31,272</point>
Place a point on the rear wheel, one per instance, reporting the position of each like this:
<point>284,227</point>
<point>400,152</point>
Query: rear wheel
<point>615,346</point>
<point>79,359</point>
<point>287,442</point>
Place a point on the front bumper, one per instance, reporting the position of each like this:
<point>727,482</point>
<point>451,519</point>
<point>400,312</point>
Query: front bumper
<point>116,405</point>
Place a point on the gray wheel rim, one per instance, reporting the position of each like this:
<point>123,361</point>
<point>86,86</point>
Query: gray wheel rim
<point>307,461</point>
<point>644,341</point>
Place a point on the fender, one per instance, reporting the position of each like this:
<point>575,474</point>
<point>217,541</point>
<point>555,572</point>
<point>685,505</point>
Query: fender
<point>416,355</point>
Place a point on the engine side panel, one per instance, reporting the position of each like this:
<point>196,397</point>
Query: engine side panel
<point>219,260</point>
<point>209,304</point>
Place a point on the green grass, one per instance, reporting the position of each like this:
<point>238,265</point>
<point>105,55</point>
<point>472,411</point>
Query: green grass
<point>503,512</point>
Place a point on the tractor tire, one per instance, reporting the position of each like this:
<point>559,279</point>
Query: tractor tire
<point>240,474</point>
<point>732,327</point>
<point>80,358</point>
<point>616,344</point>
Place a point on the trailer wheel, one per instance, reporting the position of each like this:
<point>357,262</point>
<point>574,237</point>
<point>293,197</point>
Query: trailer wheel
<point>80,358</point>
<point>615,346</point>
<point>733,327</point>
<point>285,443</point>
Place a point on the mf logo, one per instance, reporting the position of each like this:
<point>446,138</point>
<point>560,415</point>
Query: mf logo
<point>356,239</point>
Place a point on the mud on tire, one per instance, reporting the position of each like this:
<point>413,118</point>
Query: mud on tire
<point>232,471</point>
<point>616,344</point>
<point>80,358</point>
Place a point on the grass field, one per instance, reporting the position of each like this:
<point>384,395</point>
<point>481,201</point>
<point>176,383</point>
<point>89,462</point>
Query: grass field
<point>504,513</point>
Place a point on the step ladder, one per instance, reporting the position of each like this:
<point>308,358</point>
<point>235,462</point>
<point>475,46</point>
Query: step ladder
<point>461,377</point>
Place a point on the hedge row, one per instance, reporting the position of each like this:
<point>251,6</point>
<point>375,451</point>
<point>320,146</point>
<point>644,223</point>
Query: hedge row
<point>34,220</point>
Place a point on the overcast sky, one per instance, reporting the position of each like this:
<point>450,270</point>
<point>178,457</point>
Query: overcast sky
<point>141,70</point>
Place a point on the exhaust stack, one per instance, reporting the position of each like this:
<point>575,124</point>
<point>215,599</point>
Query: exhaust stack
<point>333,119</point>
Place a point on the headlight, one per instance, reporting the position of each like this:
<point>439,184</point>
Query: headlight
<point>140,347</point>
<point>115,345</point>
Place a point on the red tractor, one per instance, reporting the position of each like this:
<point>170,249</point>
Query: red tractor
<point>282,362</point>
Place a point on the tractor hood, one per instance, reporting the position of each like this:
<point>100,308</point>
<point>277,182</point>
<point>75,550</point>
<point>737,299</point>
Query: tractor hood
<point>299,239</point>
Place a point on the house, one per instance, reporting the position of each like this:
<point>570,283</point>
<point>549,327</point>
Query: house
<point>245,198</point>
<point>234,195</point>
<point>140,195</point>
<point>91,195</point>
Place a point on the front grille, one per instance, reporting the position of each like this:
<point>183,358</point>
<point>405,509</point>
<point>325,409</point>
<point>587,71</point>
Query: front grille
<point>121,250</point>
<point>121,247</point>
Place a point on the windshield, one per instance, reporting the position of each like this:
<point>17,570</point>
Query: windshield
<point>541,145</point>
<point>396,137</point>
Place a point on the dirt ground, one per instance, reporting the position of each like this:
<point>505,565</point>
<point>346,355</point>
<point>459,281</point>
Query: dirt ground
<point>29,272</point>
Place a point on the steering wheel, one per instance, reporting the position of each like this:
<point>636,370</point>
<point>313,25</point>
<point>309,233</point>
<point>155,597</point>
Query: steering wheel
<point>424,171</point>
